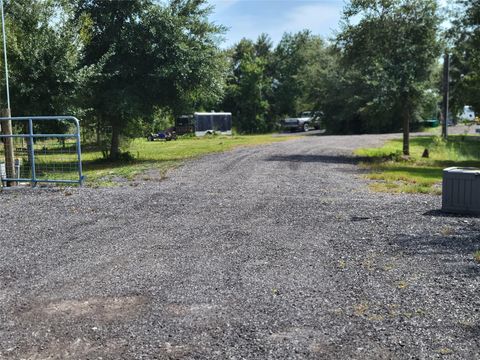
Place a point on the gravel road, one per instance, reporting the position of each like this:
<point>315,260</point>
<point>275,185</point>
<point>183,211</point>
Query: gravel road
<point>272,252</point>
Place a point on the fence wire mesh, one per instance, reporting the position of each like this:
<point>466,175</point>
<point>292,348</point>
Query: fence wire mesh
<point>55,155</point>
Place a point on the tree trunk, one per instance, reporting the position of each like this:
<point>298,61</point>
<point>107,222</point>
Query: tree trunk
<point>115,144</point>
<point>406,114</point>
<point>98,132</point>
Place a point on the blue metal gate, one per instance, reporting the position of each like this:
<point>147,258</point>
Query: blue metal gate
<point>46,150</point>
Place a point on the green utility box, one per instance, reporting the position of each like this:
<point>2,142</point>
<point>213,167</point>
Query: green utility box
<point>431,123</point>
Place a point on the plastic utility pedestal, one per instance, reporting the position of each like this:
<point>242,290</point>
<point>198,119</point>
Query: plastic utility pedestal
<point>461,190</point>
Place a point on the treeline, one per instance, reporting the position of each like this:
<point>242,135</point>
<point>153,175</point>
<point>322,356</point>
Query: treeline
<point>124,67</point>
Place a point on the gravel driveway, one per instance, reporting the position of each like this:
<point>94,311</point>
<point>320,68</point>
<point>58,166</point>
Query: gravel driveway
<point>272,252</point>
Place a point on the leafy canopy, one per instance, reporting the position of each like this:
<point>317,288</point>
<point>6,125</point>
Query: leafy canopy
<point>393,47</point>
<point>140,55</point>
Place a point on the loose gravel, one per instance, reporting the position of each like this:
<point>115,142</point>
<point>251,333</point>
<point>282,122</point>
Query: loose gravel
<point>271,252</point>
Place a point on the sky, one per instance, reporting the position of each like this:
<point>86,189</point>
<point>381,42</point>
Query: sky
<point>250,18</point>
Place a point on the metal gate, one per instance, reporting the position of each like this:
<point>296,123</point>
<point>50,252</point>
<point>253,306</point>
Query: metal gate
<point>46,149</point>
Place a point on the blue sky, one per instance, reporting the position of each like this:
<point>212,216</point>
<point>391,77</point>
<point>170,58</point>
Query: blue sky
<point>250,18</point>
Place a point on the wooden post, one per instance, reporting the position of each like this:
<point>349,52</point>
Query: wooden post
<point>8,146</point>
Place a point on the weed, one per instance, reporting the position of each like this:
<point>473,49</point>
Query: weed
<point>369,262</point>
<point>376,317</point>
<point>338,311</point>
<point>444,351</point>
<point>360,309</point>
<point>388,267</point>
<point>476,256</point>
<point>447,231</point>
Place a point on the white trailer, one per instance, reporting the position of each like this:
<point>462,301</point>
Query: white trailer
<point>213,123</point>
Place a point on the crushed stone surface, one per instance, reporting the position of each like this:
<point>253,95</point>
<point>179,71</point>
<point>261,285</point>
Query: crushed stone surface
<point>272,252</point>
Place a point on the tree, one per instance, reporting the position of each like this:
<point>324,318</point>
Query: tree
<point>294,57</point>
<point>249,84</point>
<point>465,70</point>
<point>340,93</point>
<point>43,55</point>
<point>140,55</point>
<point>394,47</point>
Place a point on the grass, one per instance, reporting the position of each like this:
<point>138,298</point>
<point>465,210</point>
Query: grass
<point>394,173</point>
<point>476,256</point>
<point>157,156</point>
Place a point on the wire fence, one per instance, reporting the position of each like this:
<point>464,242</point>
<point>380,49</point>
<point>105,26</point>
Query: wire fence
<point>45,150</point>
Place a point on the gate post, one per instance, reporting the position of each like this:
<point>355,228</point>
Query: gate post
<point>31,152</point>
<point>8,146</point>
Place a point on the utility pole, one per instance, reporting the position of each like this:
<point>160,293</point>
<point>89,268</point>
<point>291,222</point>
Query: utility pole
<point>7,124</point>
<point>446,96</point>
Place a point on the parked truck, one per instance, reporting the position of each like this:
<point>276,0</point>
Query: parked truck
<point>306,121</point>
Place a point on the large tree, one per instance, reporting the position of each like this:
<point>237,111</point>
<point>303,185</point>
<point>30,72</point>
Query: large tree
<point>465,72</point>
<point>394,47</point>
<point>140,55</point>
<point>43,55</point>
<point>293,56</point>
<point>249,84</point>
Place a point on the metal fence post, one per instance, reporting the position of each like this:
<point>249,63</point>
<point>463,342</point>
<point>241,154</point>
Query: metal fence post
<point>446,95</point>
<point>31,151</point>
<point>79,153</point>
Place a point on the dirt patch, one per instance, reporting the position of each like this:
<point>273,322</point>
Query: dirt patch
<point>186,310</point>
<point>98,308</point>
<point>80,348</point>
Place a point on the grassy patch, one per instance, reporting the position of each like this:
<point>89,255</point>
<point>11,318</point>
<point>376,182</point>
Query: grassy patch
<point>157,157</point>
<point>476,256</point>
<point>393,173</point>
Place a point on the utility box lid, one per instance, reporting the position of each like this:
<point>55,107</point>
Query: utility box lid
<point>461,190</point>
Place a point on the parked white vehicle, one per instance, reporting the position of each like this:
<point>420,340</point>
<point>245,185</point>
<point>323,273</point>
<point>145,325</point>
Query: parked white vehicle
<point>467,115</point>
<point>213,123</point>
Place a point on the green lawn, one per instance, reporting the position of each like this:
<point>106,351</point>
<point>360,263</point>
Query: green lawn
<point>393,173</point>
<point>158,156</point>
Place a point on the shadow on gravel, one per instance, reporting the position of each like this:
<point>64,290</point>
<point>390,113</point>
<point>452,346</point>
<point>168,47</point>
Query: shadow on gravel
<point>474,330</point>
<point>440,213</point>
<point>331,159</point>
<point>447,248</point>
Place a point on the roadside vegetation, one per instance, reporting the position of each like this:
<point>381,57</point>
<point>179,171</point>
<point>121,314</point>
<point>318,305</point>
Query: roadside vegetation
<point>393,172</point>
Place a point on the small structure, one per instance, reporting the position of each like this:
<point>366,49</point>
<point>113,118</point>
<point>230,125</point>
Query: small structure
<point>213,123</point>
<point>461,190</point>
